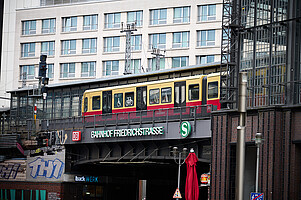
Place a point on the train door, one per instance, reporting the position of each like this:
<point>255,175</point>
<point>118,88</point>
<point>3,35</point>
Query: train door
<point>180,94</point>
<point>204,91</point>
<point>141,98</point>
<point>107,102</point>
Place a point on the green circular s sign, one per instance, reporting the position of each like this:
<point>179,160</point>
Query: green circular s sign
<point>185,129</point>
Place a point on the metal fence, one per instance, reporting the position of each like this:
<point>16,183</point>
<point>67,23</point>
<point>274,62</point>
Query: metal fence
<point>129,118</point>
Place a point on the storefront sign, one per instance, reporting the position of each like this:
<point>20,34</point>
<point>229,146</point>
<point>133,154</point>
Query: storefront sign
<point>185,129</point>
<point>135,132</point>
<point>86,179</point>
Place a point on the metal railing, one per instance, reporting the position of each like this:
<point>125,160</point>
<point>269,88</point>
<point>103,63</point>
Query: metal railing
<point>129,118</point>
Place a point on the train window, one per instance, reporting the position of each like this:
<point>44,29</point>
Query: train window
<point>193,92</point>
<point>166,95</point>
<point>212,90</point>
<point>96,103</point>
<point>85,104</point>
<point>154,96</point>
<point>118,100</point>
<point>129,99</point>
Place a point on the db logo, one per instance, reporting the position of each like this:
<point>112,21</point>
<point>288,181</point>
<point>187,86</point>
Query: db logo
<point>76,136</point>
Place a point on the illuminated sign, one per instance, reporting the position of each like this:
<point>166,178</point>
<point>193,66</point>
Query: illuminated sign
<point>76,136</point>
<point>134,132</point>
<point>86,179</point>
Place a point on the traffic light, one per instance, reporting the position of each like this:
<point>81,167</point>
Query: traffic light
<point>42,66</point>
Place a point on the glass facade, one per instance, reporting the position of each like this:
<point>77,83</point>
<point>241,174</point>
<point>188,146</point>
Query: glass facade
<point>263,51</point>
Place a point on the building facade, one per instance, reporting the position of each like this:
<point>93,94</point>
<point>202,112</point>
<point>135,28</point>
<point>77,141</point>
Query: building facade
<point>83,40</point>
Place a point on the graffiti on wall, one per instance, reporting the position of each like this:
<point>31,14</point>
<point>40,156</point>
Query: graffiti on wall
<point>46,168</point>
<point>9,171</point>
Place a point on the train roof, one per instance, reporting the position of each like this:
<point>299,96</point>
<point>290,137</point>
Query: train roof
<point>98,80</point>
<point>143,83</point>
<point>150,83</point>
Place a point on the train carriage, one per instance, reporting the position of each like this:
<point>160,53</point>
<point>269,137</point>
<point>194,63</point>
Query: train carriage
<point>175,96</point>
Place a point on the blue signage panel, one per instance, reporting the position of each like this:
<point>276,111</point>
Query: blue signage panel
<point>257,196</point>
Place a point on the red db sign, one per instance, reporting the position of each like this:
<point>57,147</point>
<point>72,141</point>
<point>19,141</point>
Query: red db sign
<point>76,136</point>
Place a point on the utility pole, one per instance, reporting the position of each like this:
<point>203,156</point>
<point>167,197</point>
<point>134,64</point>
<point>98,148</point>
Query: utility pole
<point>158,55</point>
<point>129,31</point>
<point>240,145</point>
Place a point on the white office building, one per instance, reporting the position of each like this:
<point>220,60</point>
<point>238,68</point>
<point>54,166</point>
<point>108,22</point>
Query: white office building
<point>83,39</point>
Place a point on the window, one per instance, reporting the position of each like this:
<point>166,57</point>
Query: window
<point>111,44</point>
<point>213,90</point>
<point>68,47</point>
<point>47,48</point>
<point>111,68</point>
<point>157,41</point>
<point>129,99</point>
<point>181,15</point>
<point>158,16</point>
<point>89,45</point>
<point>118,100</point>
<point>207,13</point>
<point>166,95</point>
<point>154,96</point>
<point>180,62</point>
<point>206,38</point>
<point>112,20</point>
<point>88,69</point>
<point>136,66</point>
<point>180,40</point>
<point>28,50</point>
<point>135,17</point>
<point>69,24</point>
<point>67,70</point>
<point>204,59</point>
<point>49,71</point>
<point>85,104</point>
<point>193,92</point>
<point>27,72</point>
<point>29,27</point>
<point>96,103</point>
<point>136,42</point>
<point>152,64</point>
<point>48,26</point>
<point>90,22</point>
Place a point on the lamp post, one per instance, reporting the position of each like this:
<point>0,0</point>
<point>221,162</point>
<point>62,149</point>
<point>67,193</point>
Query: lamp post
<point>258,142</point>
<point>178,159</point>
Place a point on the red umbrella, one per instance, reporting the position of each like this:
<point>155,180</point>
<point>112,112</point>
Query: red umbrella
<point>192,184</point>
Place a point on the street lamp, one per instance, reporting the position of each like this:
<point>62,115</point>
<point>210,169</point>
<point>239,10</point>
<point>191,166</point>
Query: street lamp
<point>258,141</point>
<point>177,155</point>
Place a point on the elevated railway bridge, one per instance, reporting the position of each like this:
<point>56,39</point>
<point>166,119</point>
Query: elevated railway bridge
<point>125,150</point>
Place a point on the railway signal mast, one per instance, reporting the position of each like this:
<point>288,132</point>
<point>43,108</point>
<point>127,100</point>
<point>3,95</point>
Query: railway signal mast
<point>128,29</point>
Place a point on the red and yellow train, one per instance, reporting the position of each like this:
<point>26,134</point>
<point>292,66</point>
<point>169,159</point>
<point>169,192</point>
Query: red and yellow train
<point>169,93</point>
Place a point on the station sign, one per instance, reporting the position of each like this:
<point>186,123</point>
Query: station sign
<point>133,132</point>
<point>185,129</point>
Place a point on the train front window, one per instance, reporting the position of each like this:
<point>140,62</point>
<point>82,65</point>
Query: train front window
<point>194,92</point>
<point>213,90</point>
<point>85,104</point>
<point>118,100</point>
<point>154,96</point>
<point>166,95</point>
<point>129,99</point>
<point>96,103</point>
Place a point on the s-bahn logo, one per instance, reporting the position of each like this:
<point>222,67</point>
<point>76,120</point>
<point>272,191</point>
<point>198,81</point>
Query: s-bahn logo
<point>185,129</point>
